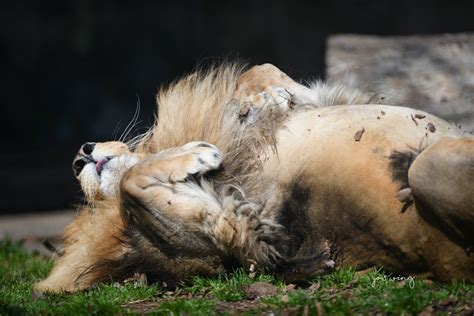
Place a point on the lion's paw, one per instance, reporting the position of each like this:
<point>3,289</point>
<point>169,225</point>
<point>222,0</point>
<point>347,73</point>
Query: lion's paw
<point>201,157</point>
<point>253,105</point>
<point>269,239</point>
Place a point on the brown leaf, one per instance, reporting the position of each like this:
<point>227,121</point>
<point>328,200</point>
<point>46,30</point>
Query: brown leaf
<point>358,134</point>
<point>446,302</point>
<point>420,116</point>
<point>431,127</point>
<point>428,282</point>
<point>314,287</point>
<point>290,287</point>
<point>259,289</point>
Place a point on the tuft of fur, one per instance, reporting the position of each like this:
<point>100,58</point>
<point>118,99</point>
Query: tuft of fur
<point>328,94</point>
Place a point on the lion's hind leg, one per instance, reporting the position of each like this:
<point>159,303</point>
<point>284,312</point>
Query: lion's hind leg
<point>93,236</point>
<point>442,181</point>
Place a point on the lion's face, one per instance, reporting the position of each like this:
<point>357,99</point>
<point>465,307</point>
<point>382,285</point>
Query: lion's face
<point>99,167</point>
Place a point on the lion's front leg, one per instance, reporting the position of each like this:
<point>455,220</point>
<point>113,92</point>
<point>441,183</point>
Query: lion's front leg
<point>184,216</point>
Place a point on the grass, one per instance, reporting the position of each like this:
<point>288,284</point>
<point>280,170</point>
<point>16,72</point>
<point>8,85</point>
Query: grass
<point>340,293</point>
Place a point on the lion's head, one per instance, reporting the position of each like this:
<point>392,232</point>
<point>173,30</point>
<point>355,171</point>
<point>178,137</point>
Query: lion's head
<point>99,167</point>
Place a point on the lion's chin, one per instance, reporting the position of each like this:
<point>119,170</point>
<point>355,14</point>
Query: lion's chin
<point>90,181</point>
<point>101,180</point>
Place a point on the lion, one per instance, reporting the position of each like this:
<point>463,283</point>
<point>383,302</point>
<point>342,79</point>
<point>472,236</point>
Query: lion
<point>248,168</point>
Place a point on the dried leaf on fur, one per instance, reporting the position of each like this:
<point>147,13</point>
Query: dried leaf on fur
<point>431,127</point>
<point>405,195</point>
<point>358,134</point>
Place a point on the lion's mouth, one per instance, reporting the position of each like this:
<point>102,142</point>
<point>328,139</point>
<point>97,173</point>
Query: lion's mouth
<point>81,160</point>
<point>99,165</point>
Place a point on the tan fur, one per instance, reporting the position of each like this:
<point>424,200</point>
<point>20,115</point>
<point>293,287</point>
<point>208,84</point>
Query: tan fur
<point>286,188</point>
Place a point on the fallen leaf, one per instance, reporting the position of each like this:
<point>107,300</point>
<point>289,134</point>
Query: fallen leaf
<point>290,287</point>
<point>420,116</point>
<point>252,267</point>
<point>446,302</point>
<point>259,289</point>
<point>314,287</point>
<point>428,282</point>
<point>358,134</point>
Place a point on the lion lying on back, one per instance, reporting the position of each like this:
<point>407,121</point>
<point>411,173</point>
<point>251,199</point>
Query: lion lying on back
<point>252,168</point>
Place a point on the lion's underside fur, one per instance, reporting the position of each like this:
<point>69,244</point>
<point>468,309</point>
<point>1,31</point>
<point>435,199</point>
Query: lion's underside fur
<point>294,193</point>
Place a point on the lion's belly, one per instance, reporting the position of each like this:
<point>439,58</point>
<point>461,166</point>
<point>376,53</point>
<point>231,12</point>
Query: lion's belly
<point>352,201</point>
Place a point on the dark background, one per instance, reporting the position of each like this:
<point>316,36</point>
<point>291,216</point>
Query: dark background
<point>73,71</point>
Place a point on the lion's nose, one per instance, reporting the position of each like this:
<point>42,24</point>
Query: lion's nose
<point>82,158</point>
<point>88,148</point>
<point>78,164</point>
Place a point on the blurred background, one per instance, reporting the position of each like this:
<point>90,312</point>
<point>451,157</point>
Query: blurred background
<point>73,71</point>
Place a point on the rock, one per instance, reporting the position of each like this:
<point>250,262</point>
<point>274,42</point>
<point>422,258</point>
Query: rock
<point>431,73</point>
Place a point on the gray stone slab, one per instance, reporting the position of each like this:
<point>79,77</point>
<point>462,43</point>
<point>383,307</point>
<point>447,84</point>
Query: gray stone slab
<point>38,225</point>
<point>431,73</point>
<point>34,229</point>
